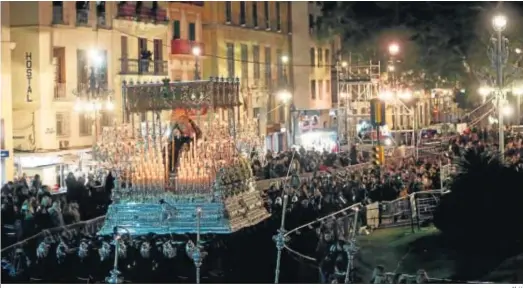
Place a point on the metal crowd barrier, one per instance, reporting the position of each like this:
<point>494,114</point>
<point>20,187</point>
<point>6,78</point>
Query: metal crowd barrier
<point>409,210</point>
<point>88,227</point>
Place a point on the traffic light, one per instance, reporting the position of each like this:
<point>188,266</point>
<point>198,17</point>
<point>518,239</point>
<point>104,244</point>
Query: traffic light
<point>378,155</point>
<point>460,97</point>
<point>377,112</point>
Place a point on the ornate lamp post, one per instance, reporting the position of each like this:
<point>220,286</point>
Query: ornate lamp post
<point>499,57</point>
<point>114,277</point>
<point>196,51</point>
<point>196,252</point>
<point>394,49</point>
<point>96,96</point>
<point>351,248</point>
<point>287,101</point>
<point>280,239</point>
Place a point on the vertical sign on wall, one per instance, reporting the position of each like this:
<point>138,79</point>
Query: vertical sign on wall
<point>28,75</point>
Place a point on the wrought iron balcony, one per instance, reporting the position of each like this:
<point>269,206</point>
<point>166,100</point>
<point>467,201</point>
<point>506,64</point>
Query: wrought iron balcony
<point>58,15</point>
<point>184,47</point>
<point>195,3</point>
<point>82,17</point>
<point>130,11</point>
<point>143,67</point>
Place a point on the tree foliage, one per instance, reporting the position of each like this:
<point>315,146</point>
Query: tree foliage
<point>443,44</point>
<point>484,205</point>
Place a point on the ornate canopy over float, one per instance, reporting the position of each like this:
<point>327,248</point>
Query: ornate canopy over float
<point>185,175</point>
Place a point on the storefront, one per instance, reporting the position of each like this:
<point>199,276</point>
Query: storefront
<point>53,167</point>
<point>277,138</point>
<point>4,155</point>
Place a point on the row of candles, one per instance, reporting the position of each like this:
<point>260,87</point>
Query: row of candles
<point>138,158</point>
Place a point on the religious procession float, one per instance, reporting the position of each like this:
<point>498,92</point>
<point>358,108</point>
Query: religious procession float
<point>186,175</point>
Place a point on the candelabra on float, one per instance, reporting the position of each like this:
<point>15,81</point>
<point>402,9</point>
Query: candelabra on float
<point>114,277</point>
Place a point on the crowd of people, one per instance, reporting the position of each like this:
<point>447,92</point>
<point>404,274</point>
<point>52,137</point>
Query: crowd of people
<point>32,208</point>
<point>29,208</point>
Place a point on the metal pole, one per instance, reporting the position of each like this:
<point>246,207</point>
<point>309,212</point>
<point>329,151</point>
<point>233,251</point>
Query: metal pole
<point>499,66</point>
<point>352,249</point>
<point>441,176</point>
<point>114,274</point>
<point>518,109</point>
<point>280,239</point>
<point>196,68</point>
<point>198,259</point>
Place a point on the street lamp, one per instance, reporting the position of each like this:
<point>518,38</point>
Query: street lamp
<point>284,96</point>
<point>406,95</point>
<point>196,51</point>
<point>507,110</point>
<point>499,23</point>
<point>386,95</point>
<point>394,49</point>
<point>391,68</point>
<point>95,96</point>
<point>484,91</point>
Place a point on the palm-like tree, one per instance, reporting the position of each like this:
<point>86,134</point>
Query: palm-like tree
<point>486,202</point>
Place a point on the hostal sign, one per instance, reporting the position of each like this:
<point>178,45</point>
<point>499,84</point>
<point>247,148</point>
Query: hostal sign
<point>28,75</point>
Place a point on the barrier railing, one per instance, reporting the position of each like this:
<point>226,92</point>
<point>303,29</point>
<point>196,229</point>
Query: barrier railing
<point>89,227</point>
<point>408,210</point>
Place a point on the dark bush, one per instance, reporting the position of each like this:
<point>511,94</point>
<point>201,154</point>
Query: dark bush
<point>484,207</point>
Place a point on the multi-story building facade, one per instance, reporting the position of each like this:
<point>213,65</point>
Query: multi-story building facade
<point>62,46</point>
<point>185,33</point>
<point>6,108</point>
<point>311,72</point>
<point>250,40</point>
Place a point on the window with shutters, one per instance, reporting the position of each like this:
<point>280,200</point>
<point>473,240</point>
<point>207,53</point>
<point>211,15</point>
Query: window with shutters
<point>279,67</point>
<point>327,57</point>
<point>278,16</point>
<point>245,62</point>
<point>62,124</point>
<point>320,57</point>
<point>268,68</point>
<point>312,56</point>
<point>313,89</point>
<point>176,29</point>
<point>243,12</point>
<point>230,60</point>
<point>256,62</point>
<point>320,89</point>
<point>228,11</point>
<point>85,125</point>
<point>82,70</point>
<point>255,14</point>
<point>267,15</point>
<point>192,32</point>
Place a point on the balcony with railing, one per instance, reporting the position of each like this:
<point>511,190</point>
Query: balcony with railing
<point>184,47</point>
<point>194,3</point>
<point>82,17</point>
<point>58,15</point>
<point>60,92</point>
<point>143,67</point>
<point>130,11</point>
